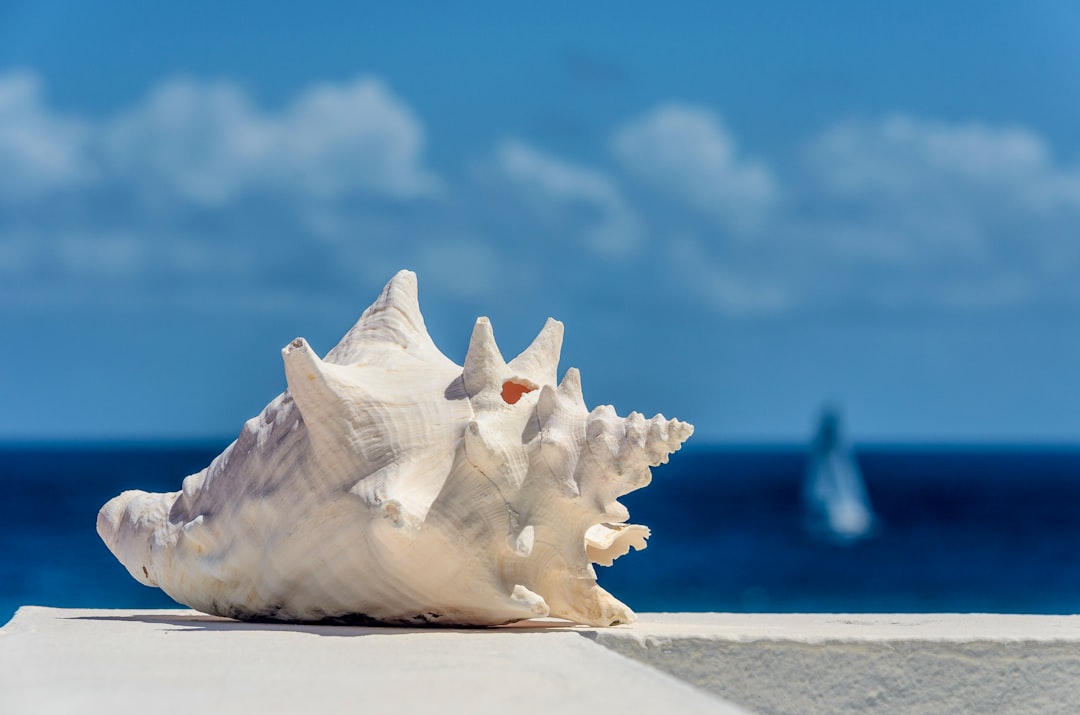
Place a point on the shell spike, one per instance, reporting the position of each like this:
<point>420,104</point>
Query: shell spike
<point>311,385</point>
<point>665,437</point>
<point>636,430</point>
<point>484,365</point>
<point>540,361</point>
<point>394,319</point>
<point>400,292</point>
<point>546,404</point>
<point>570,388</point>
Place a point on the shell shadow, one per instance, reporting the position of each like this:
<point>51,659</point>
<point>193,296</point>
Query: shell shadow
<point>203,622</point>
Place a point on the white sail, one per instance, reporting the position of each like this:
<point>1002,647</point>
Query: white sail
<point>837,505</point>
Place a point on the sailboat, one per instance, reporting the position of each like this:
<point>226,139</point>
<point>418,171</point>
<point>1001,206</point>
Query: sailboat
<point>834,496</point>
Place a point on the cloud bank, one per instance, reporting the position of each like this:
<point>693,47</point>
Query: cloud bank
<point>955,215</point>
<point>195,192</point>
<point>208,144</point>
<point>205,143</point>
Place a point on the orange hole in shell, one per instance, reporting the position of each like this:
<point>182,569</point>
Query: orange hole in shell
<point>512,391</point>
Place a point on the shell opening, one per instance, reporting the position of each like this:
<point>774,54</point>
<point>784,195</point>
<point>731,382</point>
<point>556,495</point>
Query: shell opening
<point>512,391</point>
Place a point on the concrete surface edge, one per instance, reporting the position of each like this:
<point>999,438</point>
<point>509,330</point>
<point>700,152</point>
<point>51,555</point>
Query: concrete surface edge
<point>65,660</point>
<point>178,661</point>
<point>837,664</point>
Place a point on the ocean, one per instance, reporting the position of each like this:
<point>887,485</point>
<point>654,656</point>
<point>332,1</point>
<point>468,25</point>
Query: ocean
<point>960,529</point>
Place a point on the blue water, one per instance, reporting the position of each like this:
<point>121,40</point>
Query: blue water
<point>964,529</point>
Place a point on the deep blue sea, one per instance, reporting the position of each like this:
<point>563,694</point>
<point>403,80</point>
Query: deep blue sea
<point>991,529</point>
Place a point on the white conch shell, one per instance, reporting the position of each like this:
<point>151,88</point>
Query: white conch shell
<point>389,484</point>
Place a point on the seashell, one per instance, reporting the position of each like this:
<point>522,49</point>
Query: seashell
<point>388,484</point>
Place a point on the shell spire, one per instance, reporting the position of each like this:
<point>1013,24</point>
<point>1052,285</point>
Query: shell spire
<point>665,436</point>
<point>316,388</point>
<point>389,484</point>
<point>485,370</point>
<point>539,363</point>
<point>306,376</point>
<point>570,388</point>
<point>393,320</point>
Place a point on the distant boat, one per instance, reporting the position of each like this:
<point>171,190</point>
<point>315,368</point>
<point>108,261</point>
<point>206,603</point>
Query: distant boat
<point>834,495</point>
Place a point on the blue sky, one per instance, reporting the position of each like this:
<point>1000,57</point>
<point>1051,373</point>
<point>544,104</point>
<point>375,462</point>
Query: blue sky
<point>739,214</point>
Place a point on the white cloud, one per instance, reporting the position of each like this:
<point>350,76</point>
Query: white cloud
<point>208,143</point>
<point>896,214</point>
<point>340,139</point>
<point>198,191</point>
<point>688,153</point>
<point>40,152</point>
<point>912,213</point>
<point>200,141</point>
<point>564,192</point>
<point>903,155</point>
<point>195,190</point>
<point>977,204</point>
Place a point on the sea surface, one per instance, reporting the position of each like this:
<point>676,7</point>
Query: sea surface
<point>961,529</point>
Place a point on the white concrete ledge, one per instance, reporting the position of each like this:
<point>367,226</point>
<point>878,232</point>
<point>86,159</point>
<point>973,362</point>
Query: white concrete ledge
<point>837,664</point>
<point>55,660</point>
<point>165,662</point>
